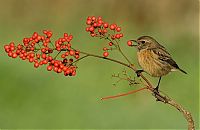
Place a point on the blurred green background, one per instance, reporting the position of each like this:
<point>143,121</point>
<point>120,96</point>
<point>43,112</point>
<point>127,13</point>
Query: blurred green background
<point>35,98</point>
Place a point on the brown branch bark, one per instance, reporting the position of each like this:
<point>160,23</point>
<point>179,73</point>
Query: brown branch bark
<point>160,97</point>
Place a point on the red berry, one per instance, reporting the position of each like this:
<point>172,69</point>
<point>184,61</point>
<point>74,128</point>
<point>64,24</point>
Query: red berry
<point>32,48</point>
<point>6,47</point>
<point>105,31</point>
<point>50,58</point>
<point>44,61</point>
<point>61,66</point>
<point>21,55</point>
<point>88,22</point>
<point>95,24</point>
<point>49,34</point>
<point>32,55</point>
<point>12,44</point>
<point>121,35</point>
<point>87,29</point>
<point>77,52</point>
<point>31,60</point>
<point>129,43</point>
<point>43,50</point>
<point>105,25</point>
<point>70,37</point>
<point>77,56</point>
<point>41,62</point>
<point>65,35</point>
<point>35,34</point>
<point>19,46</point>
<point>89,18</point>
<point>117,36</point>
<point>65,60</point>
<point>14,55</point>
<point>50,50</point>
<point>100,22</point>
<point>110,43</point>
<point>99,30</point>
<point>36,65</point>
<point>63,56</point>
<point>42,37</point>
<point>67,71</point>
<point>18,52</point>
<point>10,54</point>
<point>73,73</point>
<point>99,18</point>
<point>58,49</point>
<point>93,34</point>
<point>45,44</point>
<point>93,18</point>
<point>7,50</point>
<point>38,56</point>
<point>49,68</point>
<point>118,29</point>
<point>45,31</point>
<point>23,58</point>
<point>105,48</point>
<point>91,29</point>
<point>105,54</point>
<point>55,69</point>
<point>59,70</point>
<point>44,56</point>
<point>56,64</point>
<point>71,52</point>
<point>25,40</point>
<point>12,48</point>
<point>112,26</point>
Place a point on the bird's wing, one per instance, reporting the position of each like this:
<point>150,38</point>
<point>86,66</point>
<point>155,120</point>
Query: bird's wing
<point>163,55</point>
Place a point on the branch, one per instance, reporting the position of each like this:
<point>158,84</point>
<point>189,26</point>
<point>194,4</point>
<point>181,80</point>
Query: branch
<point>160,97</point>
<point>187,115</point>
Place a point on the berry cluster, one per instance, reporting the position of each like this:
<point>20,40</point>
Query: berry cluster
<point>36,49</point>
<point>98,28</point>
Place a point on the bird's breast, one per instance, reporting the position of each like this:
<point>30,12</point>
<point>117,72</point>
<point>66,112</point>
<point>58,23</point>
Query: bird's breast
<point>150,63</point>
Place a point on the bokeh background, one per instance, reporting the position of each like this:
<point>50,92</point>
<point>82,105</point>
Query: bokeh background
<point>35,98</point>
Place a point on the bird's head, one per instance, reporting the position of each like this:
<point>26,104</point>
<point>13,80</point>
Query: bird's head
<point>144,42</point>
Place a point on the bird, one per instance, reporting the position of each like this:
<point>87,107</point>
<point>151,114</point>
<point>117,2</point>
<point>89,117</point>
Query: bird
<point>154,59</point>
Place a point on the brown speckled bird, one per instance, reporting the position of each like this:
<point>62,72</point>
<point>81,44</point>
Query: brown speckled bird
<point>154,58</point>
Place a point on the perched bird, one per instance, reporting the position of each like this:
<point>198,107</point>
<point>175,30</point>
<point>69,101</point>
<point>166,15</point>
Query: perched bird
<point>154,58</point>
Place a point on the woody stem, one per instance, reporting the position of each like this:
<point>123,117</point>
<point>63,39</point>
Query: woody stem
<point>160,97</point>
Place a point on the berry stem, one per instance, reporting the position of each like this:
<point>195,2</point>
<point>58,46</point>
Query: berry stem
<point>80,59</point>
<point>110,59</point>
<point>51,44</point>
<point>57,54</point>
<point>131,66</point>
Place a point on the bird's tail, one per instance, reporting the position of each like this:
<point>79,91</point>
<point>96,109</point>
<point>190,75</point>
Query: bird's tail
<point>183,71</point>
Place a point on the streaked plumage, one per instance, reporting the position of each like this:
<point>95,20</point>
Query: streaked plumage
<point>154,58</point>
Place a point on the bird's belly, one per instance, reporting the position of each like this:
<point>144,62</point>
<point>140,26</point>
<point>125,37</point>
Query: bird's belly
<point>151,64</point>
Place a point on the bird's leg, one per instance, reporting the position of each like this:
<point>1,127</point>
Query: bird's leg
<point>138,72</point>
<point>156,89</point>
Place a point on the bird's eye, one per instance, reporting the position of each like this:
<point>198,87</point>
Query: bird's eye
<point>142,42</point>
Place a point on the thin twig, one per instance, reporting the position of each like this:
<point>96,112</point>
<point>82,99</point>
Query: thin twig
<point>57,54</point>
<point>124,94</point>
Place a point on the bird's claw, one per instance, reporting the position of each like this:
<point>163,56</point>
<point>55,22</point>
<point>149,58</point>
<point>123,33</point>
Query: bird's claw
<point>138,72</point>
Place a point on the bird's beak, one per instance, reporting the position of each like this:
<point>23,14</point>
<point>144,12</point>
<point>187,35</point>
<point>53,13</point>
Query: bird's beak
<point>134,41</point>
